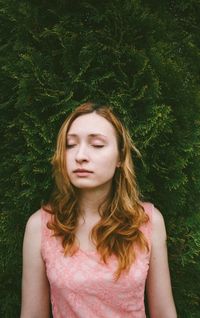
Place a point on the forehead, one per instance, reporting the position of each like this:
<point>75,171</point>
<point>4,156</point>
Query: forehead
<point>91,124</point>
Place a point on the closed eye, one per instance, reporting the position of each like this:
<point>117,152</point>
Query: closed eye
<point>70,146</point>
<point>98,146</point>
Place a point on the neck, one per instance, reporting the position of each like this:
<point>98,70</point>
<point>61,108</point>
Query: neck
<point>90,200</point>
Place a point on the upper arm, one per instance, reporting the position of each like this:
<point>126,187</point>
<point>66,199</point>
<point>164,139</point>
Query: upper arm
<point>159,292</point>
<point>35,287</point>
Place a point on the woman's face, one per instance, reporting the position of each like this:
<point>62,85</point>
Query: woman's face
<point>92,152</point>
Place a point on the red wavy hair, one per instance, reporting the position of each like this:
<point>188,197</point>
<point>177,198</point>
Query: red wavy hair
<point>118,230</point>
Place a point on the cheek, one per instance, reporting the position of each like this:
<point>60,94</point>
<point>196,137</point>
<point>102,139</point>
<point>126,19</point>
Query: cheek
<point>68,161</point>
<point>109,160</point>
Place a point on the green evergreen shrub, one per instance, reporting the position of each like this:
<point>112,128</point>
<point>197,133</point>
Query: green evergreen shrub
<point>142,58</point>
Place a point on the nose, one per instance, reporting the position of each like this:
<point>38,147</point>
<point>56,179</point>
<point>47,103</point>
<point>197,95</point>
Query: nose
<point>81,154</point>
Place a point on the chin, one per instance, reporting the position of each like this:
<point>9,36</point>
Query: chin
<point>85,187</point>
<point>90,186</point>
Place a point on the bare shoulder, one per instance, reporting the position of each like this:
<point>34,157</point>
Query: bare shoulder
<point>159,293</point>
<point>157,217</point>
<point>32,236</point>
<point>34,220</point>
<point>33,225</point>
<point>158,225</point>
<point>35,287</point>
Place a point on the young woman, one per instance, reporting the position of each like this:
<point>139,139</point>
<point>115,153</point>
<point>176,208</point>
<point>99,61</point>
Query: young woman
<point>95,246</point>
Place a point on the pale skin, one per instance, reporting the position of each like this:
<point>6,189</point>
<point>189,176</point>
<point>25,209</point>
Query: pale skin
<point>93,189</point>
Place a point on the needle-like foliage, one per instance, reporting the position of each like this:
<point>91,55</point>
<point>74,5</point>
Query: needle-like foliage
<point>140,56</point>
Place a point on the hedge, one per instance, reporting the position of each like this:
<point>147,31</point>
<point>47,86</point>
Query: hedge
<point>140,56</point>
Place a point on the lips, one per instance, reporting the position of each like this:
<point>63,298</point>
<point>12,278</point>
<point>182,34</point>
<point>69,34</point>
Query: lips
<point>82,171</point>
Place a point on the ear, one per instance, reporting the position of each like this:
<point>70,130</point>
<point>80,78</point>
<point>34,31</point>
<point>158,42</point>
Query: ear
<point>118,164</point>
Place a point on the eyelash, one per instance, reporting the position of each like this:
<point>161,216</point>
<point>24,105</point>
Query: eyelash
<point>98,146</point>
<point>95,146</point>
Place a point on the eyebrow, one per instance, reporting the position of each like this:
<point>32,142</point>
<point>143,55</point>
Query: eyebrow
<point>90,135</point>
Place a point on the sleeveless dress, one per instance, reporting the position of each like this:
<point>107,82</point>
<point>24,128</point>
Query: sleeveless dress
<point>83,287</point>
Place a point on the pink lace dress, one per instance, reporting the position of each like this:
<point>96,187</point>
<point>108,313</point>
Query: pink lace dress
<point>83,287</point>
